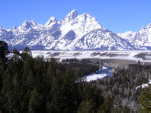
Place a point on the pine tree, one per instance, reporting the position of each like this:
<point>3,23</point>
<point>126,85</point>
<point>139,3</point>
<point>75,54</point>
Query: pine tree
<point>27,51</point>
<point>145,100</point>
<point>86,106</point>
<point>106,106</point>
<point>36,102</point>
<point>3,50</point>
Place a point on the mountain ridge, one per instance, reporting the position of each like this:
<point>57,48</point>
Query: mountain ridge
<point>74,32</point>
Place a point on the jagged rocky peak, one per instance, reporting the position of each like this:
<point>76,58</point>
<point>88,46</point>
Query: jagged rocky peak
<point>52,20</point>
<point>86,15</point>
<point>79,23</point>
<point>2,30</point>
<point>27,25</point>
<point>148,26</point>
<point>72,15</point>
<point>87,18</point>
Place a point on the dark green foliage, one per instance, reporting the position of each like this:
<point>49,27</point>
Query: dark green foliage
<point>121,89</point>
<point>145,100</point>
<point>30,85</point>
<point>86,106</point>
<point>26,52</point>
<point>37,85</point>
<point>106,106</point>
<point>15,51</point>
<point>3,51</point>
<point>36,102</point>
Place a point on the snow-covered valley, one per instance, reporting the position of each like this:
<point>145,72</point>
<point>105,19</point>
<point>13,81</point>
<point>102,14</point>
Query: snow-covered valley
<point>136,56</point>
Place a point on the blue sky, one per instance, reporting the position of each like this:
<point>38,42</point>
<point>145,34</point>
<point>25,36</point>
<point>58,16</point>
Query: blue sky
<point>116,15</point>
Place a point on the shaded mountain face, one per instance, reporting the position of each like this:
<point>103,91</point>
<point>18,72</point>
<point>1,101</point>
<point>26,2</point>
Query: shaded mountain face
<point>74,32</point>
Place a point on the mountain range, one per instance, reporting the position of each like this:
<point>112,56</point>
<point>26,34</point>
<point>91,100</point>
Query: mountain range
<point>74,32</point>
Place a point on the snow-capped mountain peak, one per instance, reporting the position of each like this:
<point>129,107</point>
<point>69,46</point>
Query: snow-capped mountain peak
<point>79,23</point>
<point>148,26</point>
<point>87,16</point>
<point>27,26</point>
<point>71,15</point>
<point>51,21</point>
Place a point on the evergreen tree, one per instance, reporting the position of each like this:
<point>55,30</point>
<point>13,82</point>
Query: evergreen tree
<point>145,100</point>
<point>86,106</point>
<point>3,50</point>
<point>27,51</point>
<point>106,106</point>
<point>36,102</point>
<point>16,52</point>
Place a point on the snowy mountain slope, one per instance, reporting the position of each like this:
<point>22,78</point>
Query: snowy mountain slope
<point>140,39</point>
<point>80,24</point>
<point>129,35</point>
<point>104,40</point>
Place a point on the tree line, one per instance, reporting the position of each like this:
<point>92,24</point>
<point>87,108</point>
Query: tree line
<point>37,85</point>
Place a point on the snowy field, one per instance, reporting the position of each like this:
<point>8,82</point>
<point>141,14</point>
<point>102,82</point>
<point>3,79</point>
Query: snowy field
<point>144,85</point>
<point>142,56</point>
<point>122,58</point>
